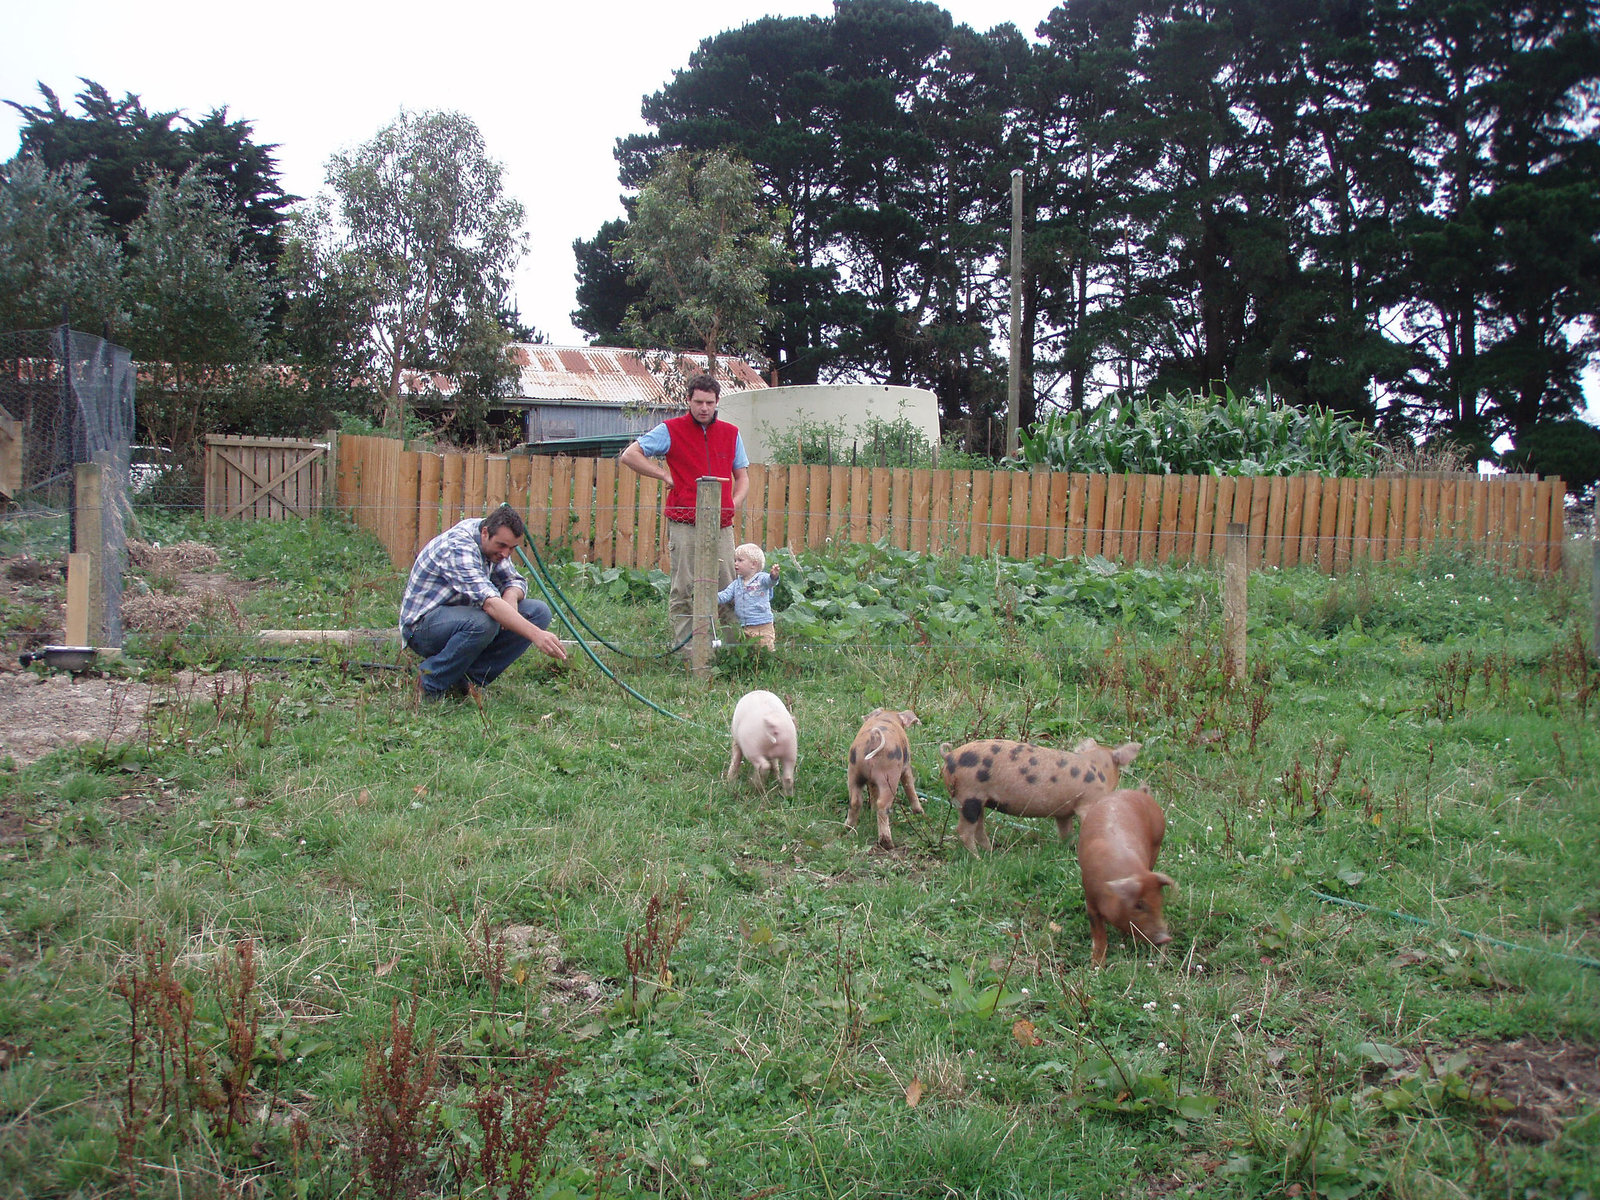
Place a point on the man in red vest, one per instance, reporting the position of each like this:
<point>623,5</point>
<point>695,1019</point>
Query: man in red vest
<point>694,444</point>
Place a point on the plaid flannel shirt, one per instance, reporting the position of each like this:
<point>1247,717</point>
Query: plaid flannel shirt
<point>452,569</point>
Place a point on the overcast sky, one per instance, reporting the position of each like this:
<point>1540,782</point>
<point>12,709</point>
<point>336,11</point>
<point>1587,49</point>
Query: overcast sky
<point>551,85</point>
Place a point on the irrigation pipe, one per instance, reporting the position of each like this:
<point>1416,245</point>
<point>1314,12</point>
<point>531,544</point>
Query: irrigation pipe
<point>1466,933</point>
<point>538,577</point>
<point>546,577</point>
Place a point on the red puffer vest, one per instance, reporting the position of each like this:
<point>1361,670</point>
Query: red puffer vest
<point>698,450</point>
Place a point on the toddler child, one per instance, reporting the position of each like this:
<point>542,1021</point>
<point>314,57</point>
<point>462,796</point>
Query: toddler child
<point>751,593</point>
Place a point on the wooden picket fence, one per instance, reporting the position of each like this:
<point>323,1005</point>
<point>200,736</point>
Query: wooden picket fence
<point>607,514</point>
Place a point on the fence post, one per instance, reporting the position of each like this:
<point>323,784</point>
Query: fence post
<point>1594,593</point>
<point>330,472</point>
<point>1234,601</point>
<point>89,551</point>
<point>707,530</point>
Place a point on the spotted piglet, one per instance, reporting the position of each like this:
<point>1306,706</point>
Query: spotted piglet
<point>1028,781</point>
<point>880,758</point>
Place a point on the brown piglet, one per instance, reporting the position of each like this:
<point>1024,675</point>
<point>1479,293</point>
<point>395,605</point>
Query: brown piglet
<point>1027,781</point>
<point>1119,836</point>
<point>880,758</point>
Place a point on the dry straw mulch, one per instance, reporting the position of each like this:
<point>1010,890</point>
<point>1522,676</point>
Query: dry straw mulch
<point>184,556</point>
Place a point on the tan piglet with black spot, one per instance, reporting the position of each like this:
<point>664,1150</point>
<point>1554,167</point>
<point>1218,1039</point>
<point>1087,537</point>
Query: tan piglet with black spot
<point>880,759</point>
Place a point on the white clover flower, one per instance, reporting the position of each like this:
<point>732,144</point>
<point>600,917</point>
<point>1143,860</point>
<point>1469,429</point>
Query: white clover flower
<point>1235,1018</point>
<point>1177,1008</point>
<point>1161,1045</point>
<point>1150,1006</point>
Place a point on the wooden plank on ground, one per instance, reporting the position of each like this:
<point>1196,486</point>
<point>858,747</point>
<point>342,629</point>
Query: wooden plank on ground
<point>795,503</point>
<point>838,519</point>
<point>1167,518</point>
<point>857,504</point>
<point>1344,526</point>
<point>1328,533</point>
<point>921,509</point>
<point>562,527</point>
<point>1016,515</point>
<point>938,510</point>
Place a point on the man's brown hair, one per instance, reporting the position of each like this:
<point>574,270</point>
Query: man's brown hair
<point>504,517</point>
<point>704,383</point>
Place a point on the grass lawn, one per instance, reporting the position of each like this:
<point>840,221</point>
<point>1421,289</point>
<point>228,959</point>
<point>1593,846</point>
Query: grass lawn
<point>295,937</point>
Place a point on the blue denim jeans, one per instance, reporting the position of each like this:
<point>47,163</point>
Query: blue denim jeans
<point>462,642</point>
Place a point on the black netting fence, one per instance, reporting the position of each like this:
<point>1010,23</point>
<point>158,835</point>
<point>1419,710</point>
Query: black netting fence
<point>71,394</point>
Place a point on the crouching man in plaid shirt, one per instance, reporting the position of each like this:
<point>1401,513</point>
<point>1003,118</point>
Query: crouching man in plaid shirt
<point>465,611</point>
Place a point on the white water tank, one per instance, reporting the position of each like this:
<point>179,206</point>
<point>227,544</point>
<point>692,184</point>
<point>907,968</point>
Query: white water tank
<point>769,417</point>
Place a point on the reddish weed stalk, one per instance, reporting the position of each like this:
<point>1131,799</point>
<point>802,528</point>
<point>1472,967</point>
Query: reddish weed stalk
<point>515,1130</point>
<point>398,1124</point>
<point>648,952</point>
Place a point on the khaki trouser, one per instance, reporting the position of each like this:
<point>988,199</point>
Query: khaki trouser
<point>766,634</point>
<point>680,598</point>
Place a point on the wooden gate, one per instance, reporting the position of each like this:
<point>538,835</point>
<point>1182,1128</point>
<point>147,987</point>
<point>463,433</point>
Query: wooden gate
<point>264,479</point>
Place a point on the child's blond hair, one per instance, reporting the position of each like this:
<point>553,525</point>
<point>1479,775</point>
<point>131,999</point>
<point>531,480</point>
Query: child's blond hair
<point>754,553</point>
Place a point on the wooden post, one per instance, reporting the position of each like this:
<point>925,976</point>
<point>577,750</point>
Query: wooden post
<point>1014,375</point>
<point>1234,601</point>
<point>707,530</point>
<point>89,537</point>
<point>1594,593</point>
<point>330,471</point>
<point>81,587</point>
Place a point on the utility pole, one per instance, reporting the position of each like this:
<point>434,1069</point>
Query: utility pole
<point>1014,378</point>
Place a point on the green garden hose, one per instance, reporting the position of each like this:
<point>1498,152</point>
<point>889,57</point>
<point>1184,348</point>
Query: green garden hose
<point>1466,933</point>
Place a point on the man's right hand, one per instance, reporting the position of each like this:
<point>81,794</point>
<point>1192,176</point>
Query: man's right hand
<point>550,644</point>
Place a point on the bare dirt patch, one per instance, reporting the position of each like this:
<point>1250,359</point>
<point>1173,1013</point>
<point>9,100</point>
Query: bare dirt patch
<point>1548,1082</point>
<point>45,712</point>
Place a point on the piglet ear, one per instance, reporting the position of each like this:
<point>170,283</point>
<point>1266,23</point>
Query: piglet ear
<point>1126,753</point>
<point>909,718</point>
<point>1167,881</point>
<point>1126,888</point>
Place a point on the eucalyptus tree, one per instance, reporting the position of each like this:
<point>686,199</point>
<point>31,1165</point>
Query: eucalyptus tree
<point>702,248</point>
<point>416,228</point>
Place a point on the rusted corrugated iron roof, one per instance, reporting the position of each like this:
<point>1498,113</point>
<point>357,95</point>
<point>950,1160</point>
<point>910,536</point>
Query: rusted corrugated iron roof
<point>612,375</point>
<point>601,375</point>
